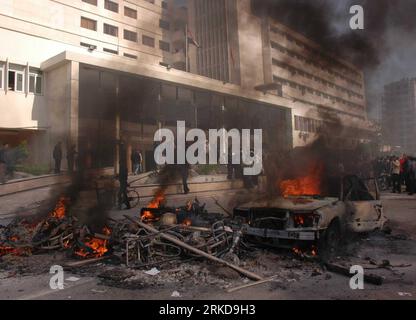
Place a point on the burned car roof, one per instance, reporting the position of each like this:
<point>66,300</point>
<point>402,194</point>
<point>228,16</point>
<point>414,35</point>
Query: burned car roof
<point>292,203</point>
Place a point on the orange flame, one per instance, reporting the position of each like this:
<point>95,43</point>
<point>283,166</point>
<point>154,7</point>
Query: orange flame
<point>154,204</point>
<point>309,185</point>
<point>187,222</point>
<point>97,247</point>
<point>312,251</point>
<point>60,208</point>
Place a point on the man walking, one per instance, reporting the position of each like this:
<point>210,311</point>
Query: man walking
<point>57,156</point>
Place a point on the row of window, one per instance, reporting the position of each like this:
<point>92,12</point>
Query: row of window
<point>306,89</point>
<point>302,58</point>
<point>15,79</point>
<point>128,12</point>
<point>302,73</point>
<point>127,34</point>
<point>307,124</point>
<point>113,6</point>
<point>316,52</point>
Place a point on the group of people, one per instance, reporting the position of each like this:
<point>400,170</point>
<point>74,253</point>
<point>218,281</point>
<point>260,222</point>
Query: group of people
<point>71,157</point>
<point>400,171</point>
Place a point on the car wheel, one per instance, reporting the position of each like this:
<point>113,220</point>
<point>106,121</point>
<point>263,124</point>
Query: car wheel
<point>330,240</point>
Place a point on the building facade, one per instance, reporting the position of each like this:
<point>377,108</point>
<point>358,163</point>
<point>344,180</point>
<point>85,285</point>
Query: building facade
<point>33,31</point>
<point>399,116</point>
<point>242,46</point>
<point>92,72</point>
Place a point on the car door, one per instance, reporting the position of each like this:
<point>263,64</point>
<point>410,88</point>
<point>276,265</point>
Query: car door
<point>364,207</point>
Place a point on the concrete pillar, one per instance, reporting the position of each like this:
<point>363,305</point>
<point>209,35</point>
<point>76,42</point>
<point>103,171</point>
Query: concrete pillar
<point>62,96</point>
<point>73,101</point>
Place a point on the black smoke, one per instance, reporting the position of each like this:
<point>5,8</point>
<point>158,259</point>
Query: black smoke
<point>385,49</point>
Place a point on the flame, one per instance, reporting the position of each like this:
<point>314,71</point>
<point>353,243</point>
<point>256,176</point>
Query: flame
<point>7,249</point>
<point>309,185</point>
<point>187,222</point>
<point>311,252</point>
<point>154,204</point>
<point>60,208</point>
<point>299,220</point>
<point>96,247</point>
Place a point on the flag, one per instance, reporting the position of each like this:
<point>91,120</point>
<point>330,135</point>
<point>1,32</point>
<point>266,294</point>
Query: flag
<point>192,39</point>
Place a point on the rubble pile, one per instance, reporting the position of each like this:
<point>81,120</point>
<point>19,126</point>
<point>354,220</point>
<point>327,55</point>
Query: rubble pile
<point>164,246</point>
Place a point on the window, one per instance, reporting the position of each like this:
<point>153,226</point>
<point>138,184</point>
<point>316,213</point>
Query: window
<point>164,5</point>
<point>131,56</point>
<point>164,24</point>
<point>16,78</point>
<point>110,30</point>
<point>89,46</point>
<point>110,5</point>
<point>130,35</point>
<point>88,24</point>
<point>35,81</point>
<point>110,51</point>
<point>128,12</point>
<point>148,41</point>
<point>165,46</point>
<point>93,2</point>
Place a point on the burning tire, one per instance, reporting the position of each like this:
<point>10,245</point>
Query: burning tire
<point>330,240</point>
<point>133,198</point>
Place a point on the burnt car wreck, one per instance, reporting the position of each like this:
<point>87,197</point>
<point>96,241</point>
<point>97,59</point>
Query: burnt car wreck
<point>324,220</point>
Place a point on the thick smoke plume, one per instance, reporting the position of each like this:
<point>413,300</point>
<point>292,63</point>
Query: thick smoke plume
<point>385,49</point>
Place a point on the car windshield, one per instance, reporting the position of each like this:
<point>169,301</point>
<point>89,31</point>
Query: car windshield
<point>356,189</point>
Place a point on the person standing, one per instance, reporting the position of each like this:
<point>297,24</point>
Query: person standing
<point>140,159</point>
<point>403,169</point>
<point>395,176</point>
<point>57,156</point>
<point>184,171</point>
<point>134,161</point>
<point>123,178</point>
<point>70,157</point>
<point>412,176</point>
<point>3,163</point>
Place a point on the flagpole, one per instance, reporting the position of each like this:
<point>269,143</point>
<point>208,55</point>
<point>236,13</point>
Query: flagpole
<point>186,48</point>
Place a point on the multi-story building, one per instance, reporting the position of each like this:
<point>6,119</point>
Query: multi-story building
<point>33,31</point>
<point>92,72</point>
<point>248,48</point>
<point>399,115</point>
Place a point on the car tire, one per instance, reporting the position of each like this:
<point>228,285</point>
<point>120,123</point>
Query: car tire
<point>330,240</point>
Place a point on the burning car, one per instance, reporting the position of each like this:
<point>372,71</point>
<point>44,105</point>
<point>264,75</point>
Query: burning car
<point>300,217</point>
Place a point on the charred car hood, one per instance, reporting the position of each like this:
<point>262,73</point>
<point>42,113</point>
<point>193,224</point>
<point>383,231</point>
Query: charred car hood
<point>292,204</point>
